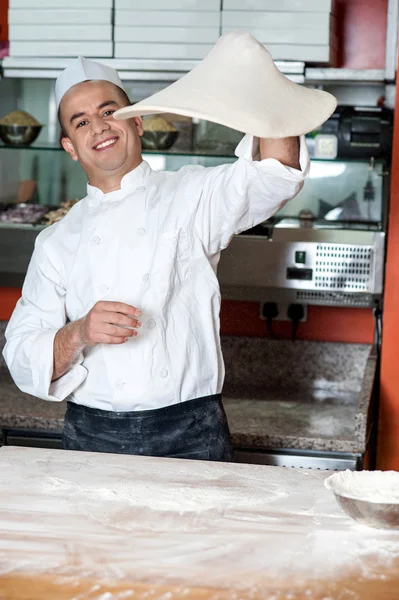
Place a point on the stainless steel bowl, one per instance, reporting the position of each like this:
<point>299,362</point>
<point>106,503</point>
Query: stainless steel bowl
<point>372,514</point>
<point>378,514</point>
<point>159,140</point>
<point>19,135</point>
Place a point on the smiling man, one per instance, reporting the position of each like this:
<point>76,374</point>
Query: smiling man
<point>106,149</point>
<point>120,308</point>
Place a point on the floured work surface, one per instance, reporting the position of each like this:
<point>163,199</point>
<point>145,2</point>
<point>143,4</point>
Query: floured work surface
<point>78,525</point>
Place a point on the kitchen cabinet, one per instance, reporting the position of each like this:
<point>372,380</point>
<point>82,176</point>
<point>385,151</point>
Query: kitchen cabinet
<point>31,439</point>
<point>313,407</point>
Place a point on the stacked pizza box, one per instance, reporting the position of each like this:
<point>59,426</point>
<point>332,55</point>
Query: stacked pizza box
<point>60,28</point>
<point>303,30</point>
<point>167,29</point>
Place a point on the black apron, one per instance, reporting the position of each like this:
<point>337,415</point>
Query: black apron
<point>195,429</point>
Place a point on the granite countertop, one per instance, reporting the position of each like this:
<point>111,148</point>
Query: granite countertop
<point>281,420</point>
<point>257,420</point>
<point>277,394</point>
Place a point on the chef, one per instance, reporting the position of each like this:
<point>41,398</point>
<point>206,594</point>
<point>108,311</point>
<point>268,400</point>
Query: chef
<point>119,313</point>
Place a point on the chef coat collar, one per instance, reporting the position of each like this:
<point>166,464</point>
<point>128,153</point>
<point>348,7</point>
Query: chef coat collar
<point>135,180</point>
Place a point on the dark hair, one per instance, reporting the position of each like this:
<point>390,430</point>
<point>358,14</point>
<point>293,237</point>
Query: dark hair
<point>122,95</point>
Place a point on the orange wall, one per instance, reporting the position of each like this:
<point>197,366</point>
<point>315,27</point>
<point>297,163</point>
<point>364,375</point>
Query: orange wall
<point>3,20</point>
<point>242,318</point>
<point>361,30</point>
<point>388,439</point>
<point>349,325</point>
<point>8,299</point>
<point>362,33</point>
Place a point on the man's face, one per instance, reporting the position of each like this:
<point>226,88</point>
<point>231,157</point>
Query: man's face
<point>102,145</point>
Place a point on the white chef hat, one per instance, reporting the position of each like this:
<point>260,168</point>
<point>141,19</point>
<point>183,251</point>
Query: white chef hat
<point>83,69</point>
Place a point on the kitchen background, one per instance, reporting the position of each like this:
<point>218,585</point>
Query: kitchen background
<point>339,336</point>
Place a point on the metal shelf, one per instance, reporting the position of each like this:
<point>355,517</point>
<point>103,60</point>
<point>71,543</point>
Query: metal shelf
<point>129,69</point>
<point>187,153</point>
<point>171,70</point>
<point>25,226</point>
<point>56,148</point>
<point>356,76</point>
<point>50,68</point>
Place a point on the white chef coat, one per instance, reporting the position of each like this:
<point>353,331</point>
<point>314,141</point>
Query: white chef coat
<point>154,244</point>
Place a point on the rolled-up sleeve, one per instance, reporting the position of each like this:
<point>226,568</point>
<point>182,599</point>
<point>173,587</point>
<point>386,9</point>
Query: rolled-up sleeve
<point>38,315</point>
<point>245,193</point>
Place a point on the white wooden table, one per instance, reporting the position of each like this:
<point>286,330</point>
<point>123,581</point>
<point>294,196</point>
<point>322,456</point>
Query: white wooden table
<point>77,525</point>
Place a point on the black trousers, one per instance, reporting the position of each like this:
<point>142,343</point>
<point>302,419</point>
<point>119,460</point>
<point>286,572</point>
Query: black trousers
<point>195,429</point>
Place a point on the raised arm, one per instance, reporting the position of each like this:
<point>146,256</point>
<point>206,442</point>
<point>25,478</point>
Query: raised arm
<point>284,150</point>
<point>238,196</point>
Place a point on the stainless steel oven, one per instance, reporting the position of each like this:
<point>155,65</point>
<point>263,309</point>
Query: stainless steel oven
<point>301,459</point>
<point>32,439</point>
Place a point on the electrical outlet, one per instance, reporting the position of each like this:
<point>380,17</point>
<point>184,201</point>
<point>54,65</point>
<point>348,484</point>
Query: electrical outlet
<point>283,312</point>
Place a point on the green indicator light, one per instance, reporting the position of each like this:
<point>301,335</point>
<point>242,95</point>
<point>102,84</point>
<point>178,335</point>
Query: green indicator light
<point>300,257</point>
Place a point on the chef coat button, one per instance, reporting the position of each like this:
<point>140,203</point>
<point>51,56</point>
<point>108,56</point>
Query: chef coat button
<point>146,277</point>
<point>140,188</point>
<point>151,323</point>
<point>103,289</point>
<point>119,385</point>
<point>164,373</point>
<point>141,231</point>
<point>96,240</point>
